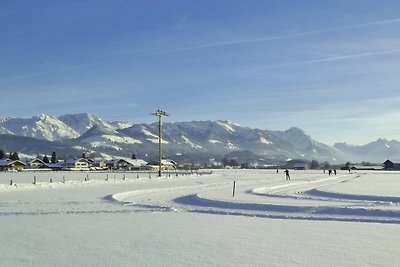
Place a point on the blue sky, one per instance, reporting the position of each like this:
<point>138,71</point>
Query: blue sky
<point>331,68</point>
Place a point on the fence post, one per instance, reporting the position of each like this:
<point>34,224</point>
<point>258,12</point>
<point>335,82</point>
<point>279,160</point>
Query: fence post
<point>34,179</point>
<point>11,183</point>
<point>234,188</point>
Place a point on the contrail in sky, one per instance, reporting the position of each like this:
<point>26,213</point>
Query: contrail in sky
<point>334,58</point>
<point>287,36</point>
<point>235,42</point>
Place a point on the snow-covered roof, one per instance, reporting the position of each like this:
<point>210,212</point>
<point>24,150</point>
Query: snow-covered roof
<point>300,164</point>
<point>8,162</point>
<point>5,162</point>
<point>394,161</point>
<point>73,161</point>
<point>166,162</point>
<point>58,165</point>
<point>134,162</point>
<point>36,160</point>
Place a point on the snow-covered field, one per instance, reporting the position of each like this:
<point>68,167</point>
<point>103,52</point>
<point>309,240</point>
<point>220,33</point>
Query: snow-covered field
<point>194,220</point>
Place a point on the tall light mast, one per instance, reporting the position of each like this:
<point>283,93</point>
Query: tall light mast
<point>160,114</point>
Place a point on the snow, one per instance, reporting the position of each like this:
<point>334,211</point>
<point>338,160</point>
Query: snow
<point>43,126</point>
<point>227,125</point>
<point>213,141</point>
<point>155,140</point>
<point>264,141</point>
<point>230,145</point>
<point>122,125</point>
<point>106,139</point>
<point>130,219</point>
<point>82,122</point>
<point>190,143</point>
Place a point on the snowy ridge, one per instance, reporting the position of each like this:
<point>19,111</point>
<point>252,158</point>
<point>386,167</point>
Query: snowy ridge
<point>83,122</point>
<point>43,126</point>
<point>199,138</point>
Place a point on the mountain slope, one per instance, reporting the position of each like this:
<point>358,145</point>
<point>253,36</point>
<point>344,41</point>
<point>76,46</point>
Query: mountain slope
<point>82,122</point>
<point>377,151</point>
<point>33,146</point>
<point>308,147</point>
<point>45,127</point>
<point>222,137</point>
<point>102,136</point>
<point>186,140</point>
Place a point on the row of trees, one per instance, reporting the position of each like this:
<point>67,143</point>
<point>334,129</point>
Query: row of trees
<point>15,156</point>
<point>11,155</point>
<point>45,158</point>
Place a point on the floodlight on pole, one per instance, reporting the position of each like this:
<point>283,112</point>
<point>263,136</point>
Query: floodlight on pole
<point>160,114</point>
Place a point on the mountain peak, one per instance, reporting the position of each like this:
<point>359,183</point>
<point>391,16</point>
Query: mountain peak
<point>208,138</point>
<point>43,117</point>
<point>83,122</point>
<point>229,122</point>
<point>43,126</point>
<point>295,130</point>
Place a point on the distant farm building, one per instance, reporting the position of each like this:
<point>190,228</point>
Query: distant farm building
<point>301,166</point>
<point>367,168</point>
<point>392,165</point>
<point>297,164</point>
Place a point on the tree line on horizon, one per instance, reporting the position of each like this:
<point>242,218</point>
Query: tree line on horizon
<point>45,158</point>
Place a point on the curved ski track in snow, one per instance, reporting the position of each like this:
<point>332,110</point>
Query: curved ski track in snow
<point>301,200</point>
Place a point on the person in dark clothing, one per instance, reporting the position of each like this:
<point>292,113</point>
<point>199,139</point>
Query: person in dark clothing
<point>287,174</point>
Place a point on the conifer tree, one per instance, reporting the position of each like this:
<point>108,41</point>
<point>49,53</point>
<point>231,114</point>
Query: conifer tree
<point>15,156</point>
<point>53,157</point>
<point>46,159</point>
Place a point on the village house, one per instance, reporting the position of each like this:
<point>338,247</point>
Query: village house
<point>111,163</point>
<point>99,164</point>
<point>130,164</point>
<point>166,164</point>
<point>36,163</point>
<point>392,165</point>
<point>367,167</point>
<point>52,166</point>
<point>77,164</point>
<point>301,166</point>
<point>11,165</point>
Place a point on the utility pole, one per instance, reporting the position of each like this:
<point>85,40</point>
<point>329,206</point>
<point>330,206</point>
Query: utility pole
<point>160,114</point>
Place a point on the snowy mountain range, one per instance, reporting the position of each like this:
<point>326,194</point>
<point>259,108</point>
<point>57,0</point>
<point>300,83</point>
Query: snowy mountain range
<point>73,134</point>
